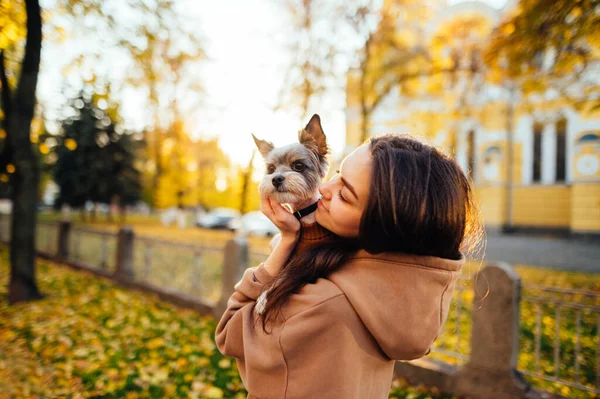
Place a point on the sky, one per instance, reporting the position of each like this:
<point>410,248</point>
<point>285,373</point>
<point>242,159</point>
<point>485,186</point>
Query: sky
<point>242,78</point>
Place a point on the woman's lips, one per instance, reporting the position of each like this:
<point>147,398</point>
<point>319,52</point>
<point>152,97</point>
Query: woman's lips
<point>320,205</point>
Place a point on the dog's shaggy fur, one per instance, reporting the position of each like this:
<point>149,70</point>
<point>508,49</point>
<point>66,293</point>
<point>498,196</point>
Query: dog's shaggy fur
<point>294,171</point>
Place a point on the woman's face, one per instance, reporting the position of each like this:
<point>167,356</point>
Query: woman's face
<point>345,195</point>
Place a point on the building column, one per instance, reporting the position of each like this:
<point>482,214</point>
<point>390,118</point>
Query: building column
<point>572,129</point>
<point>524,135</point>
<point>461,150</point>
<point>549,153</point>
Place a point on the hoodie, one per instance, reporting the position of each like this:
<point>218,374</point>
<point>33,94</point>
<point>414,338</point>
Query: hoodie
<point>342,334</point>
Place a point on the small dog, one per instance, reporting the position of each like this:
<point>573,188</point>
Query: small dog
<point>294,171</point>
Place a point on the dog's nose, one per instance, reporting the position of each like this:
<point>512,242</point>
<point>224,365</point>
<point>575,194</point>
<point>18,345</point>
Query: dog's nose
<point>277,180</point>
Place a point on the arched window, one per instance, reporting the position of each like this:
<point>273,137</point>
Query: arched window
<point>537,153</point>
<point>587,155</point>
<point>561,149</point>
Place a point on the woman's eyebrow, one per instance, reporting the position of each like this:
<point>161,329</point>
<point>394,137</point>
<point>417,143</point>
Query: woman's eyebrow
<point>349,187</point>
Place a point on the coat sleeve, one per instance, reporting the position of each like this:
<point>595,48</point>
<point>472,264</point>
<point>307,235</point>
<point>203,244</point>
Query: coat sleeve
<point>229,332</point>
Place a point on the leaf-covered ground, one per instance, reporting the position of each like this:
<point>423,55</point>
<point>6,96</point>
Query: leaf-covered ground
<point>91,339</point>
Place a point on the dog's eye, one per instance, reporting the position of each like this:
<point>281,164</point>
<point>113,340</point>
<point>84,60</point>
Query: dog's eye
<point>298,166</point>
<point>270,169</point>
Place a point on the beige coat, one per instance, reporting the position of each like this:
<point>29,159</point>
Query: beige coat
<point>343,333</point>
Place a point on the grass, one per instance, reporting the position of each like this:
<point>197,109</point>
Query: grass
<point>89,339</point>
<point>174,268</point>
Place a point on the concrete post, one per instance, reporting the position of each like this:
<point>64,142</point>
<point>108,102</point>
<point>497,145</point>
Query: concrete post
<point>124,261</point>
<point>64,230</point>
<point>491,371</point>
<point>235,262</point>
<point>5,227</point>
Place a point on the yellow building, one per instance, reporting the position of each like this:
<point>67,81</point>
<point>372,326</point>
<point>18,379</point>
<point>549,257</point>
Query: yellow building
<point>556,148</point>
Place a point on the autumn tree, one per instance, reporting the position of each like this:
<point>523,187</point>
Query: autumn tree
<point>165,65</point>
<point>546,44</point>
<point>313,51</point>
<point>20,44</point>
<point>162,47</point>
<point>394,56</point>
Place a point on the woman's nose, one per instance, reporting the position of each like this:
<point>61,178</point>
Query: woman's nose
<point>325,190</point>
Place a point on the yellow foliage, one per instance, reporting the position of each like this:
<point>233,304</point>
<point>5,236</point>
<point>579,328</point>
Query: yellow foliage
<point>71,144</point>
<point>191,170</point>
<point>44,149</point>
<point>12,23</point>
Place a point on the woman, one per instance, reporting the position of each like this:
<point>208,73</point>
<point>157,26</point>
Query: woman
<point>371,285</point>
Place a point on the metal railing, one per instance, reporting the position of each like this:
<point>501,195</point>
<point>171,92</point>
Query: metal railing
<point>188,268</point>
<point>453,346</point>
<point>92,248</point>
<point>46,239</point>
<point>563,344</point>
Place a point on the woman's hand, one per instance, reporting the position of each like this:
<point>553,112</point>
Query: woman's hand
<point>282,244</point>
<point>287,223</point>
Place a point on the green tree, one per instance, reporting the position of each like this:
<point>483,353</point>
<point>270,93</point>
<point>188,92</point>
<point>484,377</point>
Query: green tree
<point>95,160</point>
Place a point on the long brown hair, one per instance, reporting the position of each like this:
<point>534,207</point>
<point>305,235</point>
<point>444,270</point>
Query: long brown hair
<point>420,202</point>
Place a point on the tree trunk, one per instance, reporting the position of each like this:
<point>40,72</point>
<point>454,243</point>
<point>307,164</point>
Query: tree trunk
<point>364,108</point>
<point>246,181</point>
<point>364,125</point>
<point>23,285</point>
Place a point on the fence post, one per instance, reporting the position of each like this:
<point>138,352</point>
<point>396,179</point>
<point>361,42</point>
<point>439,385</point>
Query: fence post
<point>5,227</point>
<point>64,230</point>
<point>124,261</point>
<point>491,371</point>
<point>235,262</point>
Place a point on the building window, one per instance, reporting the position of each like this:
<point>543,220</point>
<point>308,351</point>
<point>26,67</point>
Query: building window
<point>471,153</point>
<point>561,149</point>
<point>537,153</point>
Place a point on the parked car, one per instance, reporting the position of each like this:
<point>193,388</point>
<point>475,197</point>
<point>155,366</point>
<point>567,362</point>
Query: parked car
<point>218,218</point>
<point>256,223</point>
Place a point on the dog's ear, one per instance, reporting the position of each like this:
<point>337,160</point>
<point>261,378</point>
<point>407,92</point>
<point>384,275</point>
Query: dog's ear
<point>264,147</point>
<point>313,134</point>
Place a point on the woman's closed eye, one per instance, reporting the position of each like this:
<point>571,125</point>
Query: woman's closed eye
<point>341,196</point>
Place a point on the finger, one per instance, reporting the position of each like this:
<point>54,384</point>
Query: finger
<point>279,211</point>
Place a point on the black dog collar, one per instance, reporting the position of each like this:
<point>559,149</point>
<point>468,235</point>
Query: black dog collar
<point>306,211</point>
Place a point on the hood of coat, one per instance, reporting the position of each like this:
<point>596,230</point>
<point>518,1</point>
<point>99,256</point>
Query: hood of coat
<point>402,299</point>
